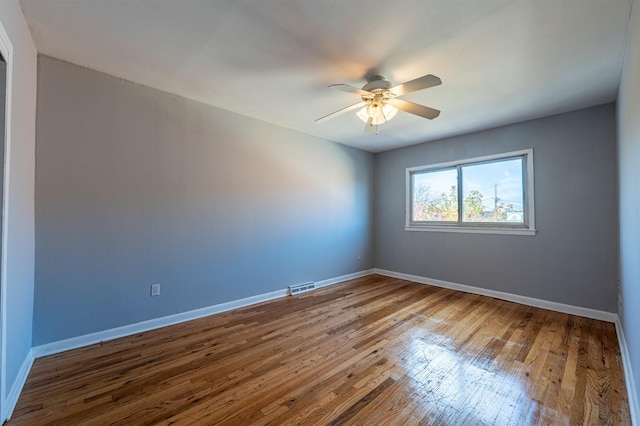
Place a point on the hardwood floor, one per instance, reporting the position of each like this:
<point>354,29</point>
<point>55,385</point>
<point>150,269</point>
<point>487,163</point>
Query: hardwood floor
<point>372,351</point>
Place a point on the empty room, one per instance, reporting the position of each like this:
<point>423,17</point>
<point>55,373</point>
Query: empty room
<point>285,212</point>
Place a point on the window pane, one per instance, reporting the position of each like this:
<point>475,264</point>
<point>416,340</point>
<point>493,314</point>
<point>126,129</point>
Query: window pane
<point>493,192</point>
<point>435,196</point>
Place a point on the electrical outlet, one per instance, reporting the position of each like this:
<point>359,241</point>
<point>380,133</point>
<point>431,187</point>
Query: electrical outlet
<point>155,289</point>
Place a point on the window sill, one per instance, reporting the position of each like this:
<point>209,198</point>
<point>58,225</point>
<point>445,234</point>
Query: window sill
<point>472,230</point>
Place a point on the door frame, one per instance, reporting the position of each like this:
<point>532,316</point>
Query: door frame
<point>6,48</point>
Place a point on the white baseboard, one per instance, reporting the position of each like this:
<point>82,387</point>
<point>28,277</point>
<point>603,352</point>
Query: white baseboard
<point>18,384</point>
<point>524,300</point>
<point>128,330</point>
<point>632,393</point>
<point>342,278</point>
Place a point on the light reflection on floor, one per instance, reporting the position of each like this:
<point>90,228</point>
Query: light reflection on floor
<point>449,385</point>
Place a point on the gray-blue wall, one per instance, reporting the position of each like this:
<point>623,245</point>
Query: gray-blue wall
<point>135,186</point>
<point>573,257</point>
<point>629,181</point>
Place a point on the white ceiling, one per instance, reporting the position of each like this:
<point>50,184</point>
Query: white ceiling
<point>501,61</point>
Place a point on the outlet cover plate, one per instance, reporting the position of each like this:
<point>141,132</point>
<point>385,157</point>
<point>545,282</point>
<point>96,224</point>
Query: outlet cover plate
<point>155,289</point>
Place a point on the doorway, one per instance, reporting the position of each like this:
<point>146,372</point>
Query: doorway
<point>3,143</point>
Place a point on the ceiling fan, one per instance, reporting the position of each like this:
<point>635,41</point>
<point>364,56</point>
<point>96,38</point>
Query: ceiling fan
<point>380,101</point>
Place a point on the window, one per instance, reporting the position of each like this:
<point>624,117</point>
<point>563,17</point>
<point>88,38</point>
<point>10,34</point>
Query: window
<point>492,194</point>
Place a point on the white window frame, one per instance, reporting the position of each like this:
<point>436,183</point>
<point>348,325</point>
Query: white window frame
<point>490,228</point>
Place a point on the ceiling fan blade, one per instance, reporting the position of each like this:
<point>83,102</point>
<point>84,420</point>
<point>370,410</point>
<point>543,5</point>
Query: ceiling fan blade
<point>350,89</point>
<point>342,111</point>
<point>420,83</point>
<point>415,109</point>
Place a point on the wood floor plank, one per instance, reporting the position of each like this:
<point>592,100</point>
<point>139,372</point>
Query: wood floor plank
<point>375,351</point>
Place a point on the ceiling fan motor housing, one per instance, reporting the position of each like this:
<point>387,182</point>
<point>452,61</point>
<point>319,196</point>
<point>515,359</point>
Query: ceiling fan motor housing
<point>376,83</point>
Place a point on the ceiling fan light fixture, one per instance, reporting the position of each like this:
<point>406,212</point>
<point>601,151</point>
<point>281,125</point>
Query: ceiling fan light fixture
<point>380,101</point>
<point>379,114</point>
